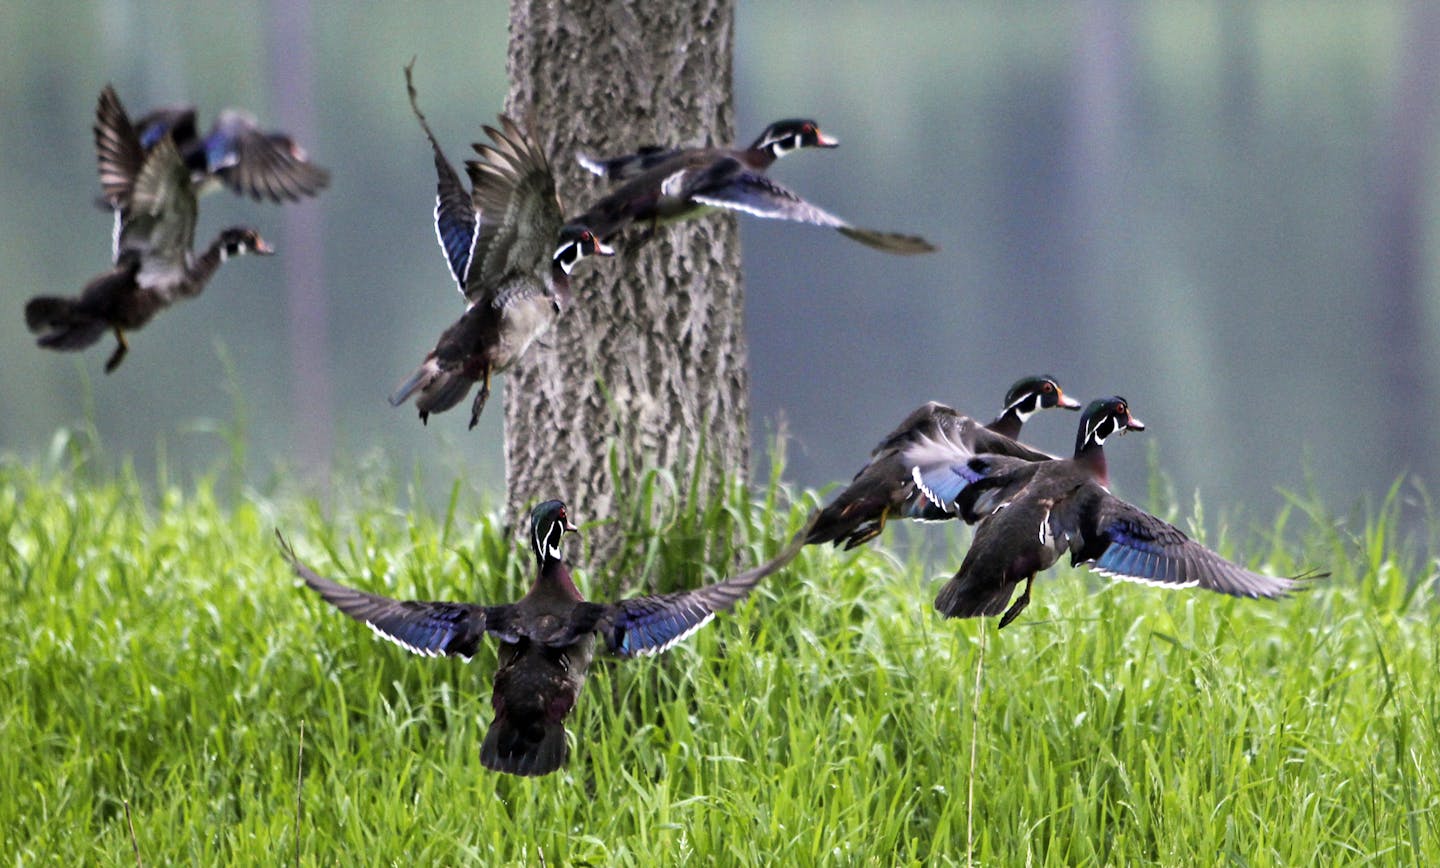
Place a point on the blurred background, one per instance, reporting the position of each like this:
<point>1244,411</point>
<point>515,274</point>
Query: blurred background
<point>1221,210</point>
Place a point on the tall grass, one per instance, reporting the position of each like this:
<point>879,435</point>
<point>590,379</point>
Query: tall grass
<point>159,654</point>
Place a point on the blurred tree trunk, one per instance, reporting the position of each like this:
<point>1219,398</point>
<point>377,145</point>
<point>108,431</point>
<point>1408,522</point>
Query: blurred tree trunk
<point>648,368</point>
<point>1405,149</point>
<point>290,45</point>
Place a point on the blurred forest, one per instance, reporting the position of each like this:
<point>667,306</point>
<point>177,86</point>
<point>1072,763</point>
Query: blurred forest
<point>1223,211</point>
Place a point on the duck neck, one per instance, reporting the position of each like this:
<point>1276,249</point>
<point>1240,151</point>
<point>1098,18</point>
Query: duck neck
<point>1008,423</point>
<point>202,268</point>
<point>554,579</point>
<point>759,159</point>
<point>1090,456</point>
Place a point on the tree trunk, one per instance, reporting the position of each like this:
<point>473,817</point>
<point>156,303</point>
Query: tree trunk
<point>647,370</point>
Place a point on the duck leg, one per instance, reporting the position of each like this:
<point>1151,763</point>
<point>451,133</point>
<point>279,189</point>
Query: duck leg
<point>865,533</point>
<point>121,348</point>
<point>1018,606</point>
<point>480,398</point>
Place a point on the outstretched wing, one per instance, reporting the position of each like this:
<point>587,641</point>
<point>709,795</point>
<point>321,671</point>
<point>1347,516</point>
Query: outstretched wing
<point>648,625</point>
<point>160,219</point>
<point>177,122</point>
<point>431,629</point>
<point>456,223</point>
<point>117,149</point>
<point>520,214</point>
<point>260,164</point>
<point>1116,539</point>
<point>756,194</point>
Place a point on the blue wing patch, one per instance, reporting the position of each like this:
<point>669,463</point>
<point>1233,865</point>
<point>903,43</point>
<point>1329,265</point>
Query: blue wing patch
<point>649,625</point>
<point>431,629</point>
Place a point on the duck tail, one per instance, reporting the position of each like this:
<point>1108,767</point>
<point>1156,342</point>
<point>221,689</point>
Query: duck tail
<point>964,596</point>
<point>44,312</point>
<point>64,327</point>
<point>422,375</point>
<point>528,749</point>
<point>438,389</point>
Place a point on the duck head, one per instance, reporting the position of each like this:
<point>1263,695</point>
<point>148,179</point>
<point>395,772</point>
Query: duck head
<point>791,134</point>
<point>1102,418</point>
<point>241,240</point>
<point>577,242</point>
<point>548,524</point>
<point>1032,394</point>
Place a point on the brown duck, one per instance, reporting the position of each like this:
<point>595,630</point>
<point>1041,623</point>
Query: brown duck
<point>1030,513</point>
<point>884,488</point>
<point>510,256</point>
<point>154,202</point>
<point>546,639</point>
<point>667,185</point>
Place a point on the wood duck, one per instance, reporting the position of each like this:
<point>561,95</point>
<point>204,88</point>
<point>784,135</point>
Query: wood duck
<point>510,256</point>
<point>667,185</point>
<point>884,486</point>
<point>236,153</point>
<point>154,263</point>
<point>1030,513</point>
<point>779,139</point>
<point>546,639</point>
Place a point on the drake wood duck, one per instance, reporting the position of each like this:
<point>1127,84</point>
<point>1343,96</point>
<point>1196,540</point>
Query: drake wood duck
<point>546,639</point>
<point>154,264</point>
<point>510,256</point>
<point>236,153</point>
<point>666,185</point>
<point>884,486</point>
<point>1030,513</point>
<point>779,139</point>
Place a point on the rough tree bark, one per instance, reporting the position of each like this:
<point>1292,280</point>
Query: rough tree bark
<point>648,368</point>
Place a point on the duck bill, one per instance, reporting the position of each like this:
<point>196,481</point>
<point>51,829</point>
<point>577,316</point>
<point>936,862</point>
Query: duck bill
<point>570,525</point>
<point>824,141</point>
<point>603,249</point>
<point>1065,402</point>
<point>1133,424</point>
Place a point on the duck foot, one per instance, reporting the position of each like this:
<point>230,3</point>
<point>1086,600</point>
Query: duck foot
<point>121,348</point>
<point>480,399</point>
<point>1017,607</point>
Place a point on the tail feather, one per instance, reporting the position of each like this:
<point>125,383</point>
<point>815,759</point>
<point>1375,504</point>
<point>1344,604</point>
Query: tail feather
<point>438,389</point>
<point>422,374</point>
<point>49,312</point>
<point>64,326</point>
<point>526,749</point>
<point>964,597</point>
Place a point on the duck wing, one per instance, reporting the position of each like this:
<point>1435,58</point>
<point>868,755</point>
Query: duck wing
<point>1115,538</point>
<point>427,628</point>
<point>519,210</point>
<point>641,626</point>
<point>755,194</point>
<point>259,164</point>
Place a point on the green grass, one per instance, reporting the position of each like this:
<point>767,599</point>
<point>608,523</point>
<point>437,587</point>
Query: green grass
<point>160,655</point>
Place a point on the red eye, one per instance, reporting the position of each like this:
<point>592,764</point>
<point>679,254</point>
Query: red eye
<point>1047,388</point>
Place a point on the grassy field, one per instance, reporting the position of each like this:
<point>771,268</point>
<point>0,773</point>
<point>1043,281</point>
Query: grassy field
<point>162,662</point>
